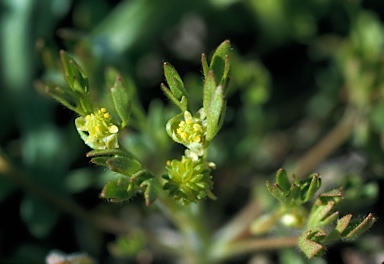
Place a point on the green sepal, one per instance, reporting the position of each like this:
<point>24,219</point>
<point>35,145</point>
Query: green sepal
<point>123,165</point>
<point>119,190</point>
<point>152,190</point>
<point>121,95</point>
<point>215,113</point>
<point>309,242</point>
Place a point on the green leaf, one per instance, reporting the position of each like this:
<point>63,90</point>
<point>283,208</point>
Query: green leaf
<point>174,81</point>
<point>346,228</point>
<point>343,223</point>
<point>152,190</point>
<point>359,226</point>
<point>293,196</point>
<point>182,104</point>
<point>276,191</point>
<point>321,215</point>
<point>101,161</point>
<point>310,187</point>
<point>308,242</point>
<point>204,64</point>
<point>121,97</point>
<point>215,113</point>
<point>124,165</point>
<point>75,75</point>
<point>282,180</point>
<point>108,152</point>
<point>220,62</point>
<point>334,195</point>
<point>208,90</point>
<point>119,190</point>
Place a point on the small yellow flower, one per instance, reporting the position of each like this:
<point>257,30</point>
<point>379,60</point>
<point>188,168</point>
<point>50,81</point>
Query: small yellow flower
<point>189,130</point>
<point>97,130</point>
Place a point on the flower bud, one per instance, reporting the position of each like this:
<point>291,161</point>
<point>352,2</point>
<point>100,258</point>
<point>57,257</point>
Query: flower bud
<point>188,180</point>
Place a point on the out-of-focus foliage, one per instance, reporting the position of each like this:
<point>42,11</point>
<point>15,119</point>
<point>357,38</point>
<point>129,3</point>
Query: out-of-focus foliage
<point>305,92</point>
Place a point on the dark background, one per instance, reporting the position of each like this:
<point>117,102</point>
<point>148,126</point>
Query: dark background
<point>297,67</point>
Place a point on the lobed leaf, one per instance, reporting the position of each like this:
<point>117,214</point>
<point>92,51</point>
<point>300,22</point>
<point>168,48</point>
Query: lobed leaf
<point>309,243</point>
<point>358,226</point>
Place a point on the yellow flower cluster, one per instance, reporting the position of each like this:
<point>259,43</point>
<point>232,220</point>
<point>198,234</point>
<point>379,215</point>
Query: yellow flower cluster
<point>97,130</point>
<point>190,130</point>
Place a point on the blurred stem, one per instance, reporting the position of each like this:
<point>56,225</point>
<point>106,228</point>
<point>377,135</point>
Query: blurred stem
<point>239,224</point>
<point>331,141</point>
<point>189,220</point>
<point>253,245</point>
<point>67,205</point>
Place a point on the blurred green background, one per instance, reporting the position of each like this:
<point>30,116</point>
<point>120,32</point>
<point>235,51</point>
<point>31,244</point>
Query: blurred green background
<point>301,71</point>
